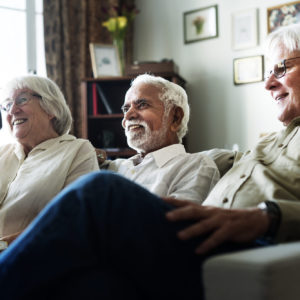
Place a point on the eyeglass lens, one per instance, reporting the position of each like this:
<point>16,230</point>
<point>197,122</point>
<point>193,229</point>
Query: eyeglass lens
<point>6,106</point>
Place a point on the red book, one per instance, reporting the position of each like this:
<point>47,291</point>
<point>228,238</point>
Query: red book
<point>95,98</point>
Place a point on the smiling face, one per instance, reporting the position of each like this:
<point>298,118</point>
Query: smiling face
<point>29,123</point>
<point>286,90</point>
<point>146,126</point>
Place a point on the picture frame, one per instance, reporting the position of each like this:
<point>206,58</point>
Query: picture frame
<point>248,69</point>
<point>105,60</point>
<point>200,24</point>
<point>245,29</point>
<point>282,15</point>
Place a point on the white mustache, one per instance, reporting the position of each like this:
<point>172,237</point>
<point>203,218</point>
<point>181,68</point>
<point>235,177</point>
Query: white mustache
<point>129,123</point>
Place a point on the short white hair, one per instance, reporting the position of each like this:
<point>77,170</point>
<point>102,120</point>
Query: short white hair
<point>286,36</point>
<point>172,95</point>
<point>52,100</point>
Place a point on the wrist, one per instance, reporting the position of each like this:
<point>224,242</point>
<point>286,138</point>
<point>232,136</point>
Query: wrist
<point>274,214</point>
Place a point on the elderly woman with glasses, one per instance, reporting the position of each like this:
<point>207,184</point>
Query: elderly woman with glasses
<point>44,158</point>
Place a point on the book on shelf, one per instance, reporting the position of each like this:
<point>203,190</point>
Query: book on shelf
<point>95,98</point>
<point>104,100</point>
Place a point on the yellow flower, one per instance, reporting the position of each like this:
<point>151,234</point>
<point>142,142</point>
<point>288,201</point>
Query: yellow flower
<point>116,24</point>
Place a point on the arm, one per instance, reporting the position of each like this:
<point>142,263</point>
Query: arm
<point>220,225</point>
<point>84,162</point>
<point>193,178</point>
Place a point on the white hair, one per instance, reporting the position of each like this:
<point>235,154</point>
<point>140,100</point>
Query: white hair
<point>286,36</point>
<point>172,95</point>
<point>52,99</point>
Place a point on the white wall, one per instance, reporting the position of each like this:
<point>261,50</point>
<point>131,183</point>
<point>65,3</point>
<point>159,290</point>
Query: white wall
<point>222,114</point>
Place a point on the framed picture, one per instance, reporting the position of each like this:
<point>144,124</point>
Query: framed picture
<point>200,24</point>
<point>248,69</point>
<point>282,15</point>
<point>245,29</point>
<point>105,60</point>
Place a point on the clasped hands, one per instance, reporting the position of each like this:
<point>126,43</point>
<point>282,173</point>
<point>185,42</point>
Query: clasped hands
<point>218,224</point>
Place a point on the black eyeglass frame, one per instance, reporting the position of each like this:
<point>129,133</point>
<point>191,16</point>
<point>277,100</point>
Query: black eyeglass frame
<point>280,65</point>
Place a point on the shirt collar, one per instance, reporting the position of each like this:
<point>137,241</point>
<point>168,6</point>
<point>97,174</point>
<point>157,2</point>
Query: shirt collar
<point>163,155</point>
<point>42,146</point>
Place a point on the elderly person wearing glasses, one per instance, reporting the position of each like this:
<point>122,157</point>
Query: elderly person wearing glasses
<point>127,238</point>
<point>44,158</point>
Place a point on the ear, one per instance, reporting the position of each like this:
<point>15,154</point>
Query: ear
<point>51,117</point>
<point>177,118</point>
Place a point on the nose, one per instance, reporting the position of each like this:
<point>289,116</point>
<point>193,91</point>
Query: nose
<point>13,109</point>
<point>271,83</point>
<point>131,114</point>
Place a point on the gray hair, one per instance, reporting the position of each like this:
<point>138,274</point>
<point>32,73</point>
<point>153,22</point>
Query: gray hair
<point>52,100</point>
<point>286,36</point>
<point>172,95</point>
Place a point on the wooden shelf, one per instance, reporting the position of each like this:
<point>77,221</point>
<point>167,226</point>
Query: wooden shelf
<point>102,129</point>
<point>125,152</point>
<point>106,116</point>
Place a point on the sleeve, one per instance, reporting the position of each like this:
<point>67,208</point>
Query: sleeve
<point>289,229</point>
<point>195,179</point>
<point>85,161</point>
<point>223,158</point>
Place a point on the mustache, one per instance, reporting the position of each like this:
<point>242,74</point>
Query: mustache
<point>129,123</point>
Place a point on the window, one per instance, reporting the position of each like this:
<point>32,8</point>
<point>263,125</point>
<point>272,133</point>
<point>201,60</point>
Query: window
<point>22,38</point>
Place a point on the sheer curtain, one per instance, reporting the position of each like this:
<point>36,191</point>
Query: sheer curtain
<point>69,27</point>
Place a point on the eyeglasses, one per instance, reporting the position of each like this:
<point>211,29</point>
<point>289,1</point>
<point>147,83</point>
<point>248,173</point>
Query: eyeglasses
<point>20,101</point>
<point>279,70</point>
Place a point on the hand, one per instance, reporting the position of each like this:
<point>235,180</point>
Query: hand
<point>101,155</point>
<point>10,238</point>
<point>219,224</point>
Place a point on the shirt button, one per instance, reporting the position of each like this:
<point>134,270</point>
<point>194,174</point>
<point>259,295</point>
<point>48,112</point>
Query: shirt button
<point>225,200</point>
<point>132,171</point>
<point>243,176</point>
<point>280,145</point>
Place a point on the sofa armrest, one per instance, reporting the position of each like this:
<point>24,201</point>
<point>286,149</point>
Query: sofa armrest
<point>267,273</point>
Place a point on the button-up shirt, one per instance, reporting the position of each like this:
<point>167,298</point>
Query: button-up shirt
<point>27,184</point>
<point>270,172</point>
<point>170,172</point>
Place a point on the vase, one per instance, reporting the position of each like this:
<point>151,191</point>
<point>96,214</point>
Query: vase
<point>120,45</point>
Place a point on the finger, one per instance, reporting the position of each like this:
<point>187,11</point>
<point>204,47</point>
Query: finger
<point>213,241</point>
<point>200,228</point>
<point>189,212</point>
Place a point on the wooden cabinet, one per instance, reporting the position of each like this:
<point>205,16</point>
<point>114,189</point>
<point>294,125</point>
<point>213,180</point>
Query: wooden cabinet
<point>102,99</point>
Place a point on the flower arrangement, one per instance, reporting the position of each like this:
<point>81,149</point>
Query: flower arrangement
<point>198,23</point>
<point>117,24</point>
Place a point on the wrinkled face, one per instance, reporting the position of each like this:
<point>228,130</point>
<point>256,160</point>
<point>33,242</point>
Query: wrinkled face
<point>29,123</point>
<point>286,90</point>
<point>146,126</point>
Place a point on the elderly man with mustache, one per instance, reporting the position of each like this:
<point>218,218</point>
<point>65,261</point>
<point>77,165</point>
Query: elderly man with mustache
<point>156,114</point>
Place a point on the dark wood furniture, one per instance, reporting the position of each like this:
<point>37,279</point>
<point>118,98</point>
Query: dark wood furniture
<point>101,101</point>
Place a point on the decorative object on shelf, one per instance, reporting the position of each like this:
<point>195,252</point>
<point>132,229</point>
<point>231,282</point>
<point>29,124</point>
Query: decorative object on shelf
<point>282,15</point>
<point>105,60</point>
<point>162,67</point>
<point>245,29</point>
<point>200,24</point>
<point>117,25</point>
<point>248,69</point>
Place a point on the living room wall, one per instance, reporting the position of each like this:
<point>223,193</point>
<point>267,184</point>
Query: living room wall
<point>222,114</point>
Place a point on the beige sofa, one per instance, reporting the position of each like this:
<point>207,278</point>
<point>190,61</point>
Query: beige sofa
<point>267,273</point>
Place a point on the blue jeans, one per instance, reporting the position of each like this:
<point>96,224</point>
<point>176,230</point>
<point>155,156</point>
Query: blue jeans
<point>103,237</point>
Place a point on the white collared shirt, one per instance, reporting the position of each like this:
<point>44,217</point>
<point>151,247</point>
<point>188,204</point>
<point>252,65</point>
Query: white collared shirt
<point>170,172</point>
<point>28,184</point>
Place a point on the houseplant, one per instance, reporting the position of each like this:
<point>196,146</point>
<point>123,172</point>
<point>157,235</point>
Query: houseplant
<point>121,16</point>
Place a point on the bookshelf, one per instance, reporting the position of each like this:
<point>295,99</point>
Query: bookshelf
<point>101,101</point>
